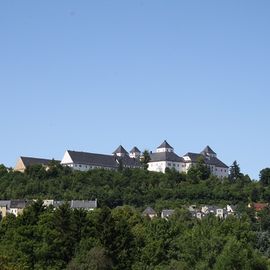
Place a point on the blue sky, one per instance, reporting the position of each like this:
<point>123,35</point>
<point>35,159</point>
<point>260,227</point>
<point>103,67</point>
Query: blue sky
<point>90,75</point>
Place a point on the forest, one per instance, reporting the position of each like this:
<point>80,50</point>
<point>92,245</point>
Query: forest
<point>116,236</point>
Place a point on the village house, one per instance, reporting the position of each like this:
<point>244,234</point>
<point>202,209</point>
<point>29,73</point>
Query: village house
<point>83,204</point>
<point>258,206</point>
<point>14,207</point>
<point>149,212</point>
<point>74,204</point>
<point>167,213</point>
<point>220,212</point>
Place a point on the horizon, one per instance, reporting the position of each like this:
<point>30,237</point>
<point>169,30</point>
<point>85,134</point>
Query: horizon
<point>93,75</point>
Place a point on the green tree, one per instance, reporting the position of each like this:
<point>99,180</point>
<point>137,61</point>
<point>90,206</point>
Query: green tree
<point>198,171</point>
<point>265,176</point>
<point>234,173</point>
<point>94,259</point>
<point>237,256</point>
<point>145,159</point>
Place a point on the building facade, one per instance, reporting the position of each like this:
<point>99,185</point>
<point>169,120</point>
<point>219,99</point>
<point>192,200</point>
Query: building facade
<point>84,161</point>
<point>164,157</point>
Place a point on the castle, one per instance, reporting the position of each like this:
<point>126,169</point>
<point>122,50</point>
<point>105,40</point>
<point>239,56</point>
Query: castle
<point>164,157</point>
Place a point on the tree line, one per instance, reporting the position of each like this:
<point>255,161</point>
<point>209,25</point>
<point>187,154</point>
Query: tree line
<point>135,187</point>
<point>120,238</point>
<point>116,236</point>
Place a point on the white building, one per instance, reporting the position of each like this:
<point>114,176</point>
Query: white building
<point>164,157</point>
<point>216,166</point>
<point>84,161</point>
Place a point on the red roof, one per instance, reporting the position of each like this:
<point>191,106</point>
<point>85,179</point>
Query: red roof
<point>259,206</point>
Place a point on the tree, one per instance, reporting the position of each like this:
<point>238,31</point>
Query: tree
<point>237,255</point>
<point>3,170</point>
<point>94,259</point>
<point>265,176</point>
<point>234,171</point>
<point>199,171</point>
<point>145,159</point>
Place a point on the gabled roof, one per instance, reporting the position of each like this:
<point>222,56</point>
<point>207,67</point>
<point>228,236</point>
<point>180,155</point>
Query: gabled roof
<point>57,204</point>
<point>165,145</point>
<point>135,150</point>
<point>259,206</point>
<point>18,204</point>
<point>167,212</point>
<point>165,156</point>
<point>5,203</point>
<point>215,161</point>
<point>92,159</point>
<point>149,211</point>
<point>128,161</point>
<point>29,161</point>
<point>193,156</point>
<point>120,149</point>
<point>78,204</point>
<point>208,150</point>
<point>208,160</point>
<point>100,160</point>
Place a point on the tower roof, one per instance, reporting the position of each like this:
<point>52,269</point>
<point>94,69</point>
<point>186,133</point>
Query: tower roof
<point>121,150</point>
<point>208,150</point>
<point>135,150</point>
<point>165,145</point>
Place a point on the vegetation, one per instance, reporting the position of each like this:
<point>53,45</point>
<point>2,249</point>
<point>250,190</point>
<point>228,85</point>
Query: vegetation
<point>135,187</point>
<point>116,236</point>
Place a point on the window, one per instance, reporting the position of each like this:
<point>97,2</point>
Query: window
<point>169,164</point>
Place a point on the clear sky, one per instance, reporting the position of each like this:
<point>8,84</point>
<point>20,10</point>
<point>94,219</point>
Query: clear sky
<point>90,75</point>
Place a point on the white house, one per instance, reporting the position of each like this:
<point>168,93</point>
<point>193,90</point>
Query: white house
<point>149,212</point>
<point>167,213</point>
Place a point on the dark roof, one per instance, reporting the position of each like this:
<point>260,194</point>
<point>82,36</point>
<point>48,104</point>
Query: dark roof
<point>165,145</point>
<point>29,161</point>
<point>208,150</point>
<point>18,203</point>
<point>167,212</point>
<point>218,163</point>
<point>93,159</point>
<point>128,161</point>
<point>193,156</point>
<point>121,150</point>
<point>208,160</point>
<point>165,156</point>
<point>149,211</point>
<point>5,203</point>
<point>83,204</point>
<point>101,160</point>
<point>58,203</point>
<point>135,150</point>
